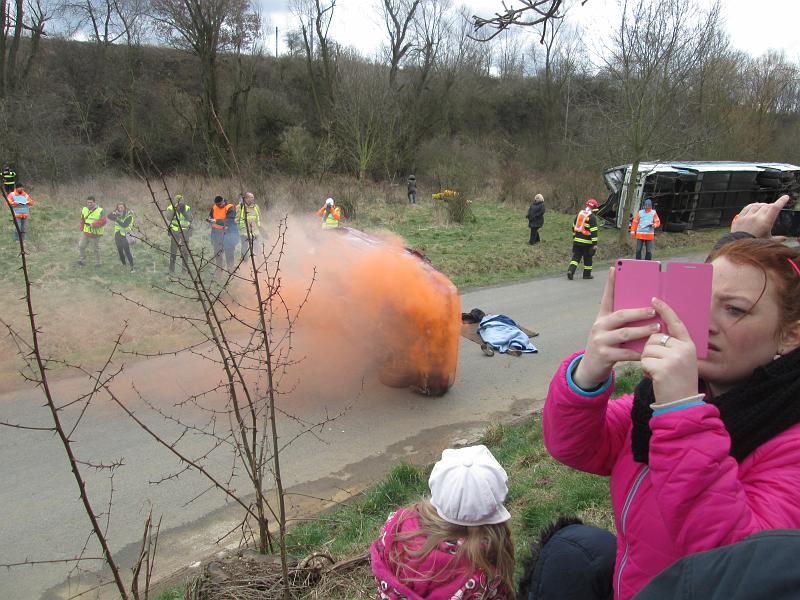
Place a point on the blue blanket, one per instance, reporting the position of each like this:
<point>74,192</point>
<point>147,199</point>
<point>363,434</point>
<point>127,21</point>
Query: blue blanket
<point>502,333</point>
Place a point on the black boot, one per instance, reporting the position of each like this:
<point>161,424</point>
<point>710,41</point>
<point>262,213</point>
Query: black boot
<point>588,275</point>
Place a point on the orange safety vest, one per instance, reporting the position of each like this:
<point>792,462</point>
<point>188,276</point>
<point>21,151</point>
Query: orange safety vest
<point>219,213</point>
<point>581,221</point>
<point>645,235</point>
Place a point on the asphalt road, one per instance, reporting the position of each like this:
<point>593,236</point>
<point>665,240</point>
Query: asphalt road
<point>42,515</point>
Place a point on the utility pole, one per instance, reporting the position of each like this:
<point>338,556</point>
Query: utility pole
<point>276,41</point>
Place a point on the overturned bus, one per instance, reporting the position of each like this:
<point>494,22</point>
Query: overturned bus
<point>694,194</point>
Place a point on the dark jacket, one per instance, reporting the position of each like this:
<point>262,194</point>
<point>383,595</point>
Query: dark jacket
<point>761,567</point>
<point>536,214</point>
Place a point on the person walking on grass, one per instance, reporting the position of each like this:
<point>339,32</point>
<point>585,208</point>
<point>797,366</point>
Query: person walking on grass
<point>584,240</point>
<point>643,228</point>
<point>412,188</point>
<point>123,225</point>
<point>179,217</point>
<point>249,220</point>
<point>93,223</point>
<point>457,543</point>
<point>536,218</point>
<point>224,234</point>
<point>20,202</point>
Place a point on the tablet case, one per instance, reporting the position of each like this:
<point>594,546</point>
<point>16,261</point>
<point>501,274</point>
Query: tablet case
<point>685,286</point>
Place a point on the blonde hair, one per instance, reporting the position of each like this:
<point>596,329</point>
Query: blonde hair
<point>485,547</point>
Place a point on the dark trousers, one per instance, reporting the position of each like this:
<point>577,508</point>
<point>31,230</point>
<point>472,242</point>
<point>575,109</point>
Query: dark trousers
<point>176,242</point>
<point>221,248</point>
<point>123,249</point>
<point>648,249</point>
<point>534,236</point>
<point>581,252</point>
<point>412,196</point>
<point>575,563</point>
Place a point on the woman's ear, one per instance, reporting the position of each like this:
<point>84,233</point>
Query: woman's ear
<point>790,338</point>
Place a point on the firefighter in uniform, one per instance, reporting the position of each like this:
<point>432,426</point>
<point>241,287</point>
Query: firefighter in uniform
<point>179,215</point>
<point>9,179</point>
<point>249,219</point>
<point>584,241</point>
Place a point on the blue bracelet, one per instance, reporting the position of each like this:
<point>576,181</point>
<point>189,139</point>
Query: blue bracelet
<point>579,390</point>
<point>679,407</point>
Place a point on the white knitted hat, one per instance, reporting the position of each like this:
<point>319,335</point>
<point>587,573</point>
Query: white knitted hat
<point>468,487</point>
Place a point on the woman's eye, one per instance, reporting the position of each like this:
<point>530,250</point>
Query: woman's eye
<point>735,310</point>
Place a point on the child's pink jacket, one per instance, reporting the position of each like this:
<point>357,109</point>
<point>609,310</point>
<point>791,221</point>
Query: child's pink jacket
<point>436,577</point>
<point>692,497</point>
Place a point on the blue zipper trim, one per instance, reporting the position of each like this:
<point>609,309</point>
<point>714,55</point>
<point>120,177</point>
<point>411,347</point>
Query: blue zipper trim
<point>623,521</point>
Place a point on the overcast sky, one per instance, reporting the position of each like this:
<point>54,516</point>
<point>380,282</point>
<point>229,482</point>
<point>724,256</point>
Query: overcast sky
<point>357,22</point>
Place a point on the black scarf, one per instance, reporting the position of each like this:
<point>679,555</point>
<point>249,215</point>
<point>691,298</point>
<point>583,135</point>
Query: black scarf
<point>755,411</point>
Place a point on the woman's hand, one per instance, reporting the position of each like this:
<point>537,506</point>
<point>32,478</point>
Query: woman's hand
<point>758,218</point>
<point>670,358</point>
<point>610,329</point>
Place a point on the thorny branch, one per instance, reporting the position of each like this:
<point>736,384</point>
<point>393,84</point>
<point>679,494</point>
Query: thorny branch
<point>531,13</point>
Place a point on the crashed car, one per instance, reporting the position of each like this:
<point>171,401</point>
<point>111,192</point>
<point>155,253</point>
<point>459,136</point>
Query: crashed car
<point>413,310</point>
<point>696,194</point>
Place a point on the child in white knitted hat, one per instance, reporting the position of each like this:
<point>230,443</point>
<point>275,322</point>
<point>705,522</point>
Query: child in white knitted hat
<point>456,545</point>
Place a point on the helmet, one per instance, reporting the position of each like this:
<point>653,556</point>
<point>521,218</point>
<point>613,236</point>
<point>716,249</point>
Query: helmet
<point>178,197</point>
<point>592,203</point>
<point>329,202</point>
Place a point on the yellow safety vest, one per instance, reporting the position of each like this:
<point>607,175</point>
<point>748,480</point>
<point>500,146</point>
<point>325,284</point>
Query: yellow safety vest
<point>89,217</point>
<point>253,216</point>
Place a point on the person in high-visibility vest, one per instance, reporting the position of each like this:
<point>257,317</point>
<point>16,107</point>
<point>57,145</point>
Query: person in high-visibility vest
<point>20,202</point>
<point>9,176</point>
<point>93,222</point>
<point>584,240</point>
<point>179,217</point>
<point>224,233</point>
<point>123,225</point>
<point>331,214</point>
<point>249,219</point>
<point>643,228</point>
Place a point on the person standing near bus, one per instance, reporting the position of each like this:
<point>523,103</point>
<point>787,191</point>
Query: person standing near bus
<point>643,228</point>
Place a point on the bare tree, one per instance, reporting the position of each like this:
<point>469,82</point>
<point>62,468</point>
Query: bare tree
<point>206,28</point>
<point>362,111</point>
<point>17,20</point>
<point>398,17</point>
<point>771,89</point>
<point>107,21</point>
<point>314,18</point>
<point>556,58</point>
<point>657,46</point>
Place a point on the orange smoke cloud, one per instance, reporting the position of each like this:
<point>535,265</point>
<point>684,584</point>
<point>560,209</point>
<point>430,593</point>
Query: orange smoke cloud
<point>375,308</point>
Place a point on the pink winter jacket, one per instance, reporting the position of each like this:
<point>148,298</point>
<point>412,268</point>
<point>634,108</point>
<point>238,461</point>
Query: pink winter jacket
<point>437,576</point>
<point>692,497</point>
